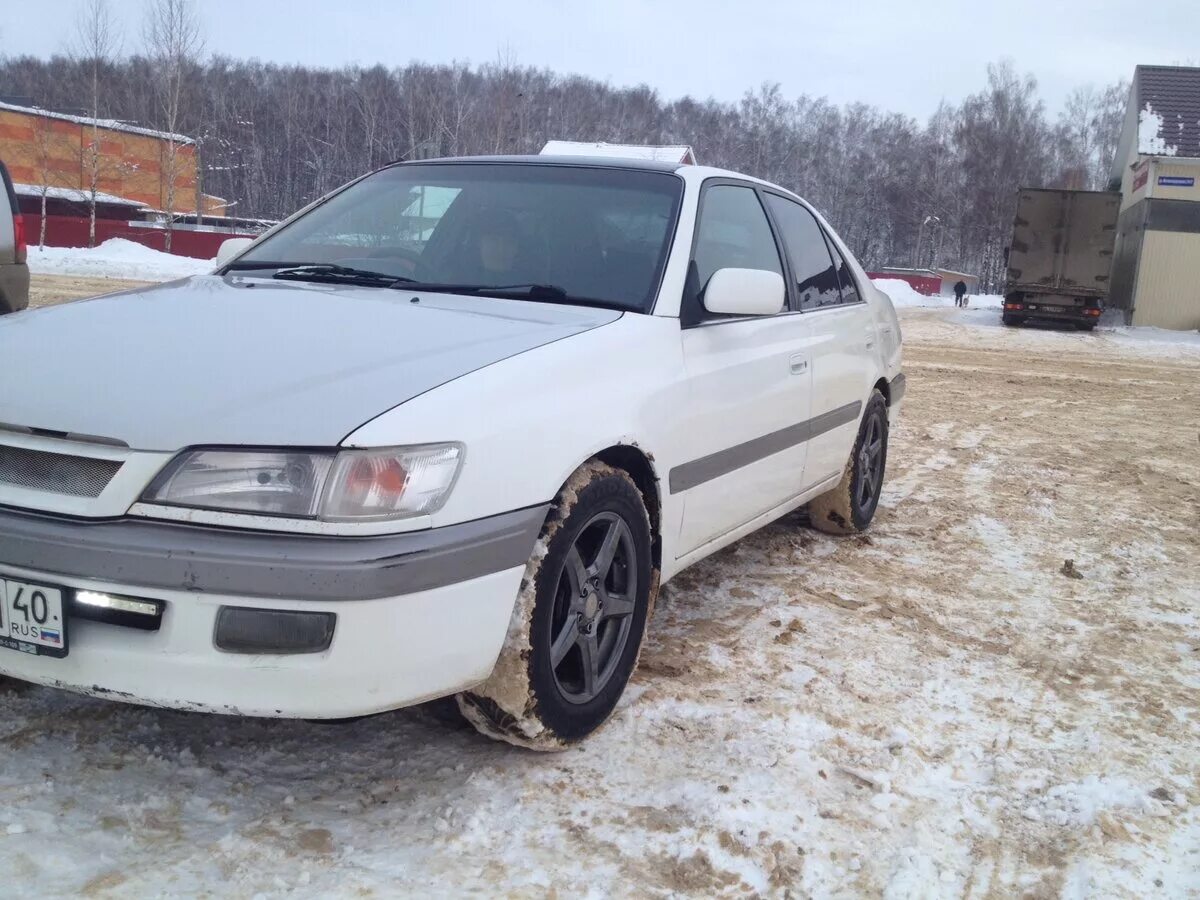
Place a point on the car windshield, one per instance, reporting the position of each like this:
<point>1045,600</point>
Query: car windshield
<point>600,235</point>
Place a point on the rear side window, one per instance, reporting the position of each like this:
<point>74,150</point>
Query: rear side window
<point>845,278</point>
<point>816,277</point>
<point>733,233</point>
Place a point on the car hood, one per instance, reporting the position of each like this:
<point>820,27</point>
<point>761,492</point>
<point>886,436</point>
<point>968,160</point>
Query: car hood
<point>237,361</point>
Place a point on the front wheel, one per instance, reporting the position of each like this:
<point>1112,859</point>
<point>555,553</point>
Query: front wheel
<point>850,506</point>
<point>577,626</point>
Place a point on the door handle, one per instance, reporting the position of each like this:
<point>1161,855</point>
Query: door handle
<point>798,364</point>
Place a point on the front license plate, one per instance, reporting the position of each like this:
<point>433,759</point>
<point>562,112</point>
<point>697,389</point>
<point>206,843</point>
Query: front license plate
<point>32,618</point>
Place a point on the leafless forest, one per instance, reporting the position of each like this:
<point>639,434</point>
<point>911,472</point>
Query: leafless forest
<point>275,137</point>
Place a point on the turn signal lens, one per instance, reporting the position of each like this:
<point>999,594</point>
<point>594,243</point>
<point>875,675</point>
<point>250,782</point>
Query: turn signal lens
<point>372,484</point>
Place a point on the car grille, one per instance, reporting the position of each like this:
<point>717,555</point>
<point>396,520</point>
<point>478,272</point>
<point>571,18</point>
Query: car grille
<point>58,473</point>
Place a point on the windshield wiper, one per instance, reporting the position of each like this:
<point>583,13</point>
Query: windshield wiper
<point>336,273</point>
<point>552,291</point>
<point>532,291</point>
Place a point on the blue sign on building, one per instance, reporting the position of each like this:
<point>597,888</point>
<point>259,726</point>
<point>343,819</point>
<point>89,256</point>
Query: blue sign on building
<point>1176,181</point>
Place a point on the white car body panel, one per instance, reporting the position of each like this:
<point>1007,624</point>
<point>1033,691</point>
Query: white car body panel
<point>279,358</point>
<point>386,653</point>
<point>746,380</point>
<point>532,390</point>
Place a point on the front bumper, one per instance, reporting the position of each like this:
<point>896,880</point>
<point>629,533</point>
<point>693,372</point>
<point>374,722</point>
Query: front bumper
<point>419,615</point>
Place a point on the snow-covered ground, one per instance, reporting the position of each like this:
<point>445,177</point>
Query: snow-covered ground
<point>115,258</point>
<point>941,708</point>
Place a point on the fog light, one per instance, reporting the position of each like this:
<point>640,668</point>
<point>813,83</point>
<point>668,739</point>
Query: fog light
<point>112,609</point>
<point>244,630</point>
<point>120,604</point>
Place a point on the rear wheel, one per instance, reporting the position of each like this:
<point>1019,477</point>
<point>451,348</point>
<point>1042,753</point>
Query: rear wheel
<point>850,506</point>
<point>1085,326</point>
<point>577,627</point>
<point>1013,321</point>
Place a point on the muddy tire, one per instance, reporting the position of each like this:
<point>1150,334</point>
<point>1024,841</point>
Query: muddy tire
<point>850,506</point>
<point>577,626</point>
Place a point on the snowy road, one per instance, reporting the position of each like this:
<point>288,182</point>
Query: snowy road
<point>936,709</point>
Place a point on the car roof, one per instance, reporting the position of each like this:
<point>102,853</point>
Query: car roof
<point>591,162</point>
<point>690,173</point>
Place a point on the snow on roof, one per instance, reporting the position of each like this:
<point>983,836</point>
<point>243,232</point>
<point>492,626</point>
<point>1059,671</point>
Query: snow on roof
<point>1168,110</point>
<point>679,154</point>
<point>74,195</point>
<point>109,124</point>
<point>1150,139</point>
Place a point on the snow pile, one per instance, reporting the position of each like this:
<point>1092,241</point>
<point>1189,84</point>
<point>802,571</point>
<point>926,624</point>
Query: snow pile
<point>1081,803</point>
<point>903,295</point>
<point>116,258</point>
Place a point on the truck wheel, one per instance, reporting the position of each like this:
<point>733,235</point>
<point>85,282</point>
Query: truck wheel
<point>1013,321</point>
<point>577,626</point>
<point>850,506</point>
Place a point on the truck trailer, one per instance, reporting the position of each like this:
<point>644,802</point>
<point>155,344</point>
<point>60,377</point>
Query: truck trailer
<point>1060,256</point>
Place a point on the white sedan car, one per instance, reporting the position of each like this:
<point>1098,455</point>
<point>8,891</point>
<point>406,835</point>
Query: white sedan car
<point>444,432</point>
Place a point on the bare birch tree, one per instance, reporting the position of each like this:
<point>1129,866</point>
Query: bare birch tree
<point>174,44</point>
<point>97,44</point>
<point>49,146</point>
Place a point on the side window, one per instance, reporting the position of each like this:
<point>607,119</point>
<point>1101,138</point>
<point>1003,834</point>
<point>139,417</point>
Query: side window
<point>845,278</point>
<point>816,277</point>
<point>733,233</point>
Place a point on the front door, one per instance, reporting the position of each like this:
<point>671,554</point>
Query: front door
<point>750,382</point>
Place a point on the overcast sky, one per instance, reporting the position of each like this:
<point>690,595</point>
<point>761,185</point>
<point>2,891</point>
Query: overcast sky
<point>900,56</point>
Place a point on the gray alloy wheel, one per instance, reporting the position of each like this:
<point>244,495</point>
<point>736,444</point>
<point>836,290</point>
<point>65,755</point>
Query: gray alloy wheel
<point>850,506</point>
<point>593,608</point>
<point>870,462</point>
<point>577,625</point>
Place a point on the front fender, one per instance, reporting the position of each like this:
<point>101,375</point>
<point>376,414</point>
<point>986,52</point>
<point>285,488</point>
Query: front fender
<point>530,420</point>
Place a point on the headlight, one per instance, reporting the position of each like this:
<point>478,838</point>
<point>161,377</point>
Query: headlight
<point>351,485</point>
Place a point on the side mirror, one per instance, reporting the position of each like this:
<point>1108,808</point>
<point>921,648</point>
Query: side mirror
<point>744,292</point>
<point>231,248</point>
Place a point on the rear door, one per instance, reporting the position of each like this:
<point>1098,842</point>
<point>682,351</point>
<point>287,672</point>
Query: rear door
<point>841,332</point>
<point>749,380</point>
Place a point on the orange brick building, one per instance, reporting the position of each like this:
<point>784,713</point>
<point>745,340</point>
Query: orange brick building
<point>133,162</point>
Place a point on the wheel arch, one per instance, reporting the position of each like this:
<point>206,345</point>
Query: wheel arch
<point>884,388</point>
<point>639,465</point>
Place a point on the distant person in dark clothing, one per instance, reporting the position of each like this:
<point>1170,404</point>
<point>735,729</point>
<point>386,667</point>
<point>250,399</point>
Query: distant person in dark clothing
<point>960,294</point>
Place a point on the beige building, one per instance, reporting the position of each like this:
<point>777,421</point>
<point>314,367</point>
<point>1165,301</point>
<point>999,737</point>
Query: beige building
<point>1156,263</point>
